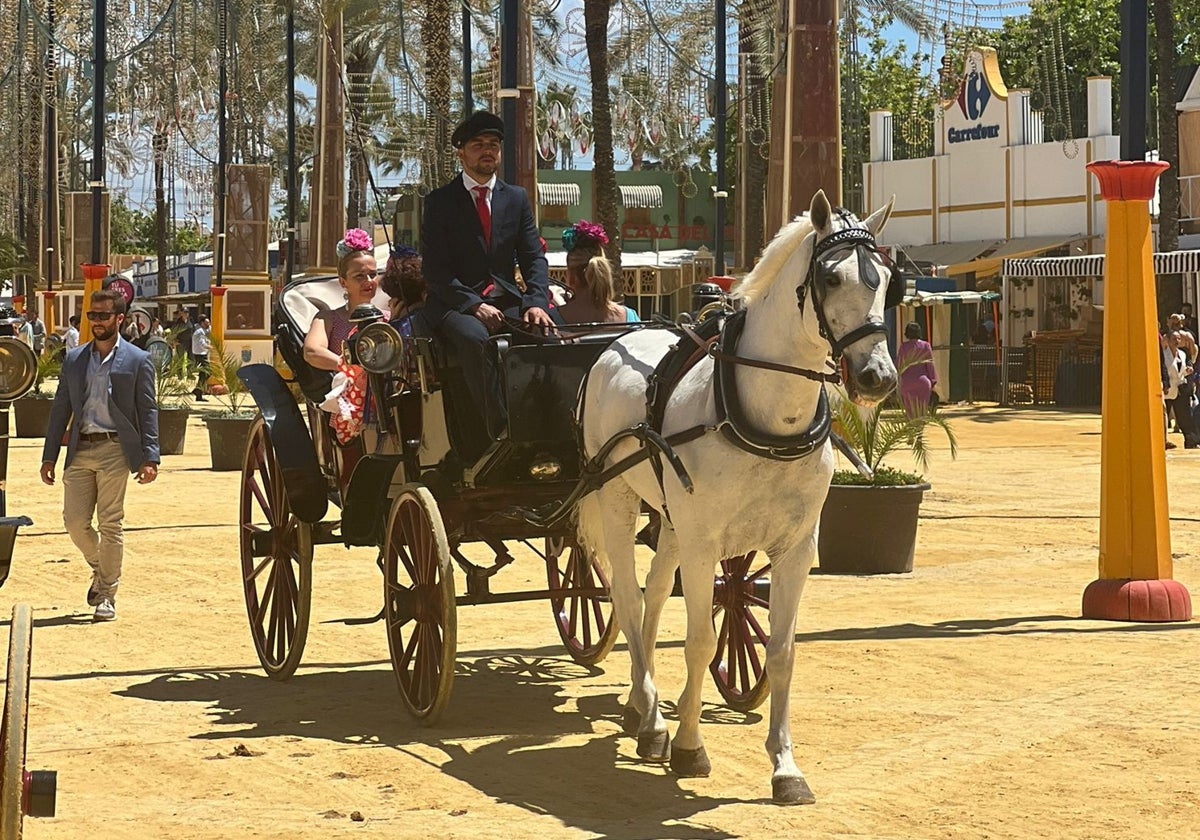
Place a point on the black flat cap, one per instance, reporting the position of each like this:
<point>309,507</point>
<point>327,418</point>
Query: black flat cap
<point>481,122</point>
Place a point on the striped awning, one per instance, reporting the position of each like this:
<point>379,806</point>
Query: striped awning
<point>642,195</point>
<point>1092,265</point>
<point>564,195</point>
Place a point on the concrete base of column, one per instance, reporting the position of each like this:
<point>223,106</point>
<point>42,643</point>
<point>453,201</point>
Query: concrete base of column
<point>1137,600</point>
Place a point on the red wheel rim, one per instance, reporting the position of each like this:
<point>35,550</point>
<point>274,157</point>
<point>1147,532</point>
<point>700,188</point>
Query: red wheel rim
<point>740,607</point>
<point>417,609</point>
<point>275,560</point>
<point>583,617</point>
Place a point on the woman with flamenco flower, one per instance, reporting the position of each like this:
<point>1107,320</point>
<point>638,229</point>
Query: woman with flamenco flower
<point>590,279</point>
<point>357,274</point>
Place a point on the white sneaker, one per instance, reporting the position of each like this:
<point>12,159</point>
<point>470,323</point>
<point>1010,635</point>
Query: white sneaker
<point>106,610</point>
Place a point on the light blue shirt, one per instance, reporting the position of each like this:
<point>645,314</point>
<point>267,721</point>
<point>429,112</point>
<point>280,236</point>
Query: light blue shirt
<point>96,414</point>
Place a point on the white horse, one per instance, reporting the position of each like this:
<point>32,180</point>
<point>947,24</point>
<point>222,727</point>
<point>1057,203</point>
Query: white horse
<point>743,500</point>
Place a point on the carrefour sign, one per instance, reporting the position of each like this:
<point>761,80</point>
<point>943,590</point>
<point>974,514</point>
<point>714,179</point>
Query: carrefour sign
<point>978,112</point>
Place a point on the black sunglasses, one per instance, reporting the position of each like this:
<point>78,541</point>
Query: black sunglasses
<point>100,316</point>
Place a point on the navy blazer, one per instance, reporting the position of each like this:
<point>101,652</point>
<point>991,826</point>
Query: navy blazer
<point>130,401</point>
<point>458,266</point>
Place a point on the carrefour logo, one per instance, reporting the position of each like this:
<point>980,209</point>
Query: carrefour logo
<point>973,98</point>
<point>974,95</point>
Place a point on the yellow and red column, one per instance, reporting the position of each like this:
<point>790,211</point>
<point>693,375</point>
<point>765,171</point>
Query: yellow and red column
<point>216,374</point>
<point>1135,581</point>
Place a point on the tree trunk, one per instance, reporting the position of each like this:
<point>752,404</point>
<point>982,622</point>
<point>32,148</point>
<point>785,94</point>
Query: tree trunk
<point>435,41</point>
<point>595,28</point>
<point>756,84</point>
<point>161,207</point>
<point>358,77</point>
<point>1168,126</point>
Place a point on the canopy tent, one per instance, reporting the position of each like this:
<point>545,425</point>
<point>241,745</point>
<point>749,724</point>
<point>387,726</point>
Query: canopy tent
<point>938,317</point>
<point>1092,265</point>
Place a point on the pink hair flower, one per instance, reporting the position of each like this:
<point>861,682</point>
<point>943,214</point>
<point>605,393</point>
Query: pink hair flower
<point>357,239</point>
<point>591,230</point>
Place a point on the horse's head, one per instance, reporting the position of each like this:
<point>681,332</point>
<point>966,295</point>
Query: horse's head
<point>849,284</point>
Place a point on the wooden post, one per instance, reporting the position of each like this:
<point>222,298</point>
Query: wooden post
<point>1135,540</point>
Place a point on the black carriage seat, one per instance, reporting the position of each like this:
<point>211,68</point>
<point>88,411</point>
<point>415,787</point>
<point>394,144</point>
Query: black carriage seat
<point>298,305</point>
<point>541,384</point>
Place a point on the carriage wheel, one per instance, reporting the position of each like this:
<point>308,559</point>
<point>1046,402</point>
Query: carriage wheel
<point>418,603</point>
<point>277,552</point>
<point>740,602</point>
<point>585,622</point>
<point>16,712</point>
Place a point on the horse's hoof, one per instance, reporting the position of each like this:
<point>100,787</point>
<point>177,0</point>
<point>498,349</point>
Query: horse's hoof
<point>632,721</point>
<point>690,764</point>
<point>654,746</point>
<point>791,790</point>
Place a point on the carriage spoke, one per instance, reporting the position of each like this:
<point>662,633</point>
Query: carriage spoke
<point>259,568</point>
<point>762,635</point>
<point>263,504</point>
<point>264,600</point>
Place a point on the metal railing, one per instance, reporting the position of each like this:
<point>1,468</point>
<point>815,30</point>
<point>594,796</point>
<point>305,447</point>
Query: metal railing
<point>1041,375</point>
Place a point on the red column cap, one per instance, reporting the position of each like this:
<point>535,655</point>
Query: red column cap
<point>218,291</point>
<point>1127,180</point>
<point>49,295</point>
<point>95,271</point>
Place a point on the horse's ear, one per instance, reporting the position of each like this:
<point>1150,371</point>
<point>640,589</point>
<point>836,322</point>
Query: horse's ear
<point>876,221</point>
<point>819,212</point>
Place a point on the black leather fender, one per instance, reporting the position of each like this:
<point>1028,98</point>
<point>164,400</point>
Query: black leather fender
<point>294,450</point>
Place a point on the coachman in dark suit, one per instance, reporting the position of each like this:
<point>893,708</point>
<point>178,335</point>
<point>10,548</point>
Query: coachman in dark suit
<point>476,230</point>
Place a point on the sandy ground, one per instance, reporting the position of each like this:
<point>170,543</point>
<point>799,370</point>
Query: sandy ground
<point>966,700</point>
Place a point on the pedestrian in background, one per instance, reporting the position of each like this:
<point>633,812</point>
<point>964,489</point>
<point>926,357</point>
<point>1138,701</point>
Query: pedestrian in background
<point>105,406</point>
<point>38,327</point>
<point>201,342</point>
<point>71,336</point>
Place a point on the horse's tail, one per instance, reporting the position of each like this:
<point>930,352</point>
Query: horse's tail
<point>590,527</point>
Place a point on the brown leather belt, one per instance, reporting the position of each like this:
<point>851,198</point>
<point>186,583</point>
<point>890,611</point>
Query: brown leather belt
<point>93,437</point>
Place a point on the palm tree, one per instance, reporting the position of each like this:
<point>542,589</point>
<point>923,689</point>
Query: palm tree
<point>1168,125</point>
<point>595,28</point>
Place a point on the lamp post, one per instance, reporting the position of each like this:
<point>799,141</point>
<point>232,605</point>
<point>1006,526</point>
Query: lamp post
<point>719,109</point>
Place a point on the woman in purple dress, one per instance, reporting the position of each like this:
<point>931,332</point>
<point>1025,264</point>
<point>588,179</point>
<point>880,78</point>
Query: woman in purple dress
<point>918,377</point>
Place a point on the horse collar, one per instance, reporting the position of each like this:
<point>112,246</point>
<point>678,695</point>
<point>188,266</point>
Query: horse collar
<point>731,418</point>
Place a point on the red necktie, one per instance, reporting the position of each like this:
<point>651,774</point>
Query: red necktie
<point>485,213</point>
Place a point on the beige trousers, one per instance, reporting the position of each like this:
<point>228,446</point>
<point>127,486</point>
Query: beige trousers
<point>95,483</point>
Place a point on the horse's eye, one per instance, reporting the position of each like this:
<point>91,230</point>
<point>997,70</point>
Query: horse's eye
<point>833,279</point>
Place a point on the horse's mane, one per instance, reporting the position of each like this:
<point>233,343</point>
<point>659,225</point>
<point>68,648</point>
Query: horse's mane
<point>780,249</point>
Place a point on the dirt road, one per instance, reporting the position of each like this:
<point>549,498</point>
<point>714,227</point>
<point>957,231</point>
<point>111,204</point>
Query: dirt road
<point>966,700</point>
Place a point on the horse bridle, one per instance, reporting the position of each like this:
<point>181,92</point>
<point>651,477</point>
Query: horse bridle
<point>863,243</point>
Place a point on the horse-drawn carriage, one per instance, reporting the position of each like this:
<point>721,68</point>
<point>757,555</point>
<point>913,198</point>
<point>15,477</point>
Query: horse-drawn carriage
<point>397,493</point>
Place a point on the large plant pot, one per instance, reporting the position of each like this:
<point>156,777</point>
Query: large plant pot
<point>869,530</point>
<point>172,430</point>
<point>227,438</point>
<point>32,416</point>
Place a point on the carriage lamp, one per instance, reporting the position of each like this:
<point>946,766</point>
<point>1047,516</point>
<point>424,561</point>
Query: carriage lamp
<point>18,368</point>
<point>378,348</point>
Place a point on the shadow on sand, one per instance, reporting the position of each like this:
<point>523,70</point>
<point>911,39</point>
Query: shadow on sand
<point>501,734</point>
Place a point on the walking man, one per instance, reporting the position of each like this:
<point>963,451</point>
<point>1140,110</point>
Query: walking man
<point>106,392</point>
<point>201,342</point>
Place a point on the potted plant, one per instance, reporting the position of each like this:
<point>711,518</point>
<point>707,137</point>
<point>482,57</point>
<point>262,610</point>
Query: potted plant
<point>32,411</point>
<point>229,430</point>
<point>173,390</point>
<point>869,521</point>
